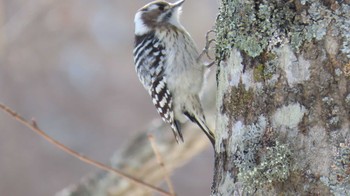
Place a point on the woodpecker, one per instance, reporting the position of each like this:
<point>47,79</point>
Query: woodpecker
<point>167,64</point>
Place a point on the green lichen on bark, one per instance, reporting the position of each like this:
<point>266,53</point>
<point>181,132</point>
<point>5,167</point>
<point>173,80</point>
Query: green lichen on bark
<point>285,61</point>
<point>275,166</point>
<point>241,101</point>
<point>255,26</point>
<point>262,73</point>
<point>339,180</point>
<point>259,157</point>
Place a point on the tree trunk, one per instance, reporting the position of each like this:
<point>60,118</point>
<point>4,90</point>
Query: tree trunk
<point>283,98</point>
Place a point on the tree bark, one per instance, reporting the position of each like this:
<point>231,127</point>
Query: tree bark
<point>283,98</point>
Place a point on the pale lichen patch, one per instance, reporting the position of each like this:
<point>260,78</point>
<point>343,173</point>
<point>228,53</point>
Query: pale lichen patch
<point>296,68</point>
<point>289,116</point>
<point>331,45</point>
<point>246,141</point>
<point>222,122</point>
<point>347,99</point>
<point>315,148</point>
<point>227,186</point>
<point>238,132</point>
<point>248,80</point>
<point>235,61</point>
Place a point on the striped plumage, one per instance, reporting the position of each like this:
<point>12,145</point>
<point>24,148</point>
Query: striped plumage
<point>166,62</point>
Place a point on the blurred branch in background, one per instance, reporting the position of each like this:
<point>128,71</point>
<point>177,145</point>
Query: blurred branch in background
<point>162,164</point>
<point>34,126</point>
<point>137,157</point>
<point>69,64</point>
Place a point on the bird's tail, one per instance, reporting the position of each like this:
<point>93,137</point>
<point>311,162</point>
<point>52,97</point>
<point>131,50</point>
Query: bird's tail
<point>202,124</point>
<point>176,128</point>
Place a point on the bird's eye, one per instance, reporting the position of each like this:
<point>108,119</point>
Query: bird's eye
<point>161,8</point>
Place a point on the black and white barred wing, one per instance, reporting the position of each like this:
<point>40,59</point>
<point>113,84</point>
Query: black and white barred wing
<point>149,58</point>
<point>162,99</point>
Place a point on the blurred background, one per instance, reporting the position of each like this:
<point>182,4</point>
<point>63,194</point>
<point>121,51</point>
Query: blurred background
<point>68,64</point>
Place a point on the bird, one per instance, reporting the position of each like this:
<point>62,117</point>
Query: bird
<point>167,64</point>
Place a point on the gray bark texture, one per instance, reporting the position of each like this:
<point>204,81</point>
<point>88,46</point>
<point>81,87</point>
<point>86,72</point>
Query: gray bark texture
<point>283,98</point>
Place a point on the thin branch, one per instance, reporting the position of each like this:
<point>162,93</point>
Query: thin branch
<point>33,126</point>
<point>137,153</point>
<point>162,164</point>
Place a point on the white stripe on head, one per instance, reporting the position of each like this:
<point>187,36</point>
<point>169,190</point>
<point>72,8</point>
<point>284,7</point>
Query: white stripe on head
<point>140,26</point>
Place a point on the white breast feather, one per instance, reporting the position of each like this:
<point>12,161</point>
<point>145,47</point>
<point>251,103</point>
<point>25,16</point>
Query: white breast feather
<point>175,18</point>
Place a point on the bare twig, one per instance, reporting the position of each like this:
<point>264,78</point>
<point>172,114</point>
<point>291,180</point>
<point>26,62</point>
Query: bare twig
<point>162,164</point>
<point>137,157</point>
<point>34,126</point>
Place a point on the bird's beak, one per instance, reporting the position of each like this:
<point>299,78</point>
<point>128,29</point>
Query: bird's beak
<point>177,4</point>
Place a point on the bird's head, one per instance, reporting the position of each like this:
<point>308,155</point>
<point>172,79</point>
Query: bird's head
<point>158,14</point>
